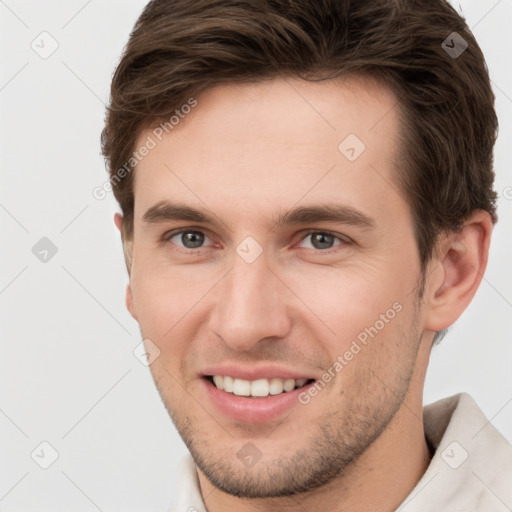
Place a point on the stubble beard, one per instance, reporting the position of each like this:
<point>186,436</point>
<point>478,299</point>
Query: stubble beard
<point>340,437</point>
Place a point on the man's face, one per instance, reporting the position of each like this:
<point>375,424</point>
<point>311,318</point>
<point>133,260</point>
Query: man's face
<point>266,288</point>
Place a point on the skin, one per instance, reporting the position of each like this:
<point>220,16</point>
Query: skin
<point>244,155</point>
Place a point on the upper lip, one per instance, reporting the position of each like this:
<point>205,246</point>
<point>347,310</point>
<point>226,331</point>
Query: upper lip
<point>255,372</point>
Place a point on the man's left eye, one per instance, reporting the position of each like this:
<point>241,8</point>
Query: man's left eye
<point>320,240</point>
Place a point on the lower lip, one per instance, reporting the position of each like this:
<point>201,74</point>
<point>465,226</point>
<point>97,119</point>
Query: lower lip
<point>253,410</point>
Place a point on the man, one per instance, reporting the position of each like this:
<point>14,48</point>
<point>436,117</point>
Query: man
<point>307,205</point>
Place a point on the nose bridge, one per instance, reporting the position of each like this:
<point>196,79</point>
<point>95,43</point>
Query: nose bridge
<point>251,305</point>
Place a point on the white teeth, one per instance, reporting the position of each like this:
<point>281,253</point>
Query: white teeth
<point>219,381</point>
<point>276,386</point>
<point>228,384</point>
<point>289,385</point>
<point>257,388</point>
<point>241,387</point>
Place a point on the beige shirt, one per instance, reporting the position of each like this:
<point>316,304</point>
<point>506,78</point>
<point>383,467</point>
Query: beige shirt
<point>471,470</point>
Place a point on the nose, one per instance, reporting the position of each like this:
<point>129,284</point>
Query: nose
<point>251,306</point>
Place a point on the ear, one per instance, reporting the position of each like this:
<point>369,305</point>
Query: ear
<point>118,221</point>
<point>130,304</point>
<point>127,244</point>
<point>456,271</point>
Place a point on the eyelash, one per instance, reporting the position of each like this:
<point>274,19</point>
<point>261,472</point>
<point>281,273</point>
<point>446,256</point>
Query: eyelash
<point>343,239</point>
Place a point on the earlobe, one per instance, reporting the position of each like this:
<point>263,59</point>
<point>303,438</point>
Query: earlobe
<point>118,221</point>
<point>462,258</point>
<point>130,304</point>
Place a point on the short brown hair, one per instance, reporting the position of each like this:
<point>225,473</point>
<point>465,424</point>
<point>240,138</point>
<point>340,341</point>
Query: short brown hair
<point>179,48</point>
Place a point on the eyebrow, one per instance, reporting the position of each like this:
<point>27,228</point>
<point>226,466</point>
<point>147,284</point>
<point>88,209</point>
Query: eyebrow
<point>325,213</point>
<point>165,211</point>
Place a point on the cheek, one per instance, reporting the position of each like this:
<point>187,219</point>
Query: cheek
<point>346,302</point>
<point>154,300</point>
<point>168,300</point>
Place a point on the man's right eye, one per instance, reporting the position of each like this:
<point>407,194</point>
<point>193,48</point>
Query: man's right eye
<point>187,238</point>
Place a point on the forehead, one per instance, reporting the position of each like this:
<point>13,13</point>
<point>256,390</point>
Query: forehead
<point>281,141</point>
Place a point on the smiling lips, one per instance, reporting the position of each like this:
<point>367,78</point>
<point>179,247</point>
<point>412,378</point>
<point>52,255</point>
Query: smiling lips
<point>262,392</point>
<point>252,401</point>
<point>258,387</point>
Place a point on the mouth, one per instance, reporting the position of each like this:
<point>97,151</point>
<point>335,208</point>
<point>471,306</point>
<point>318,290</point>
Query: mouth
<point>255,394</point>
<point>254,401</point>
<point>259,388</point>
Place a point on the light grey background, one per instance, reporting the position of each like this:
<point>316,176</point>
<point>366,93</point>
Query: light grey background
<point>68,375</point>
